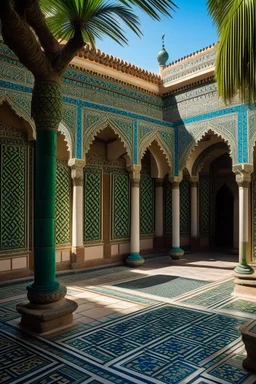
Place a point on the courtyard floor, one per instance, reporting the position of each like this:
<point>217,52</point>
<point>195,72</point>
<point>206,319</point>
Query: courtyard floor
<point>165,322</point>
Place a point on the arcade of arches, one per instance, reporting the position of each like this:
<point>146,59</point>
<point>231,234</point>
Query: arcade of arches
<point>95,203</point>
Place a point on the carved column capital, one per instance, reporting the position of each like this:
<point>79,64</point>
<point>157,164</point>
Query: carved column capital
<point>194,181</point>
<point>77,171</point>
<point>159,182</point>
<point>134,173</point>
<point>243,174</point>
<point>175,180</point>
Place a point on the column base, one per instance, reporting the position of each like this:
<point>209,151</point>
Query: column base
<point>242,269</point>
<point>43,318</point>
<point>249,340</point>
<point>134,260</point>
<point>77,255</point>
<point>176,253</point>
<point>245,285</point>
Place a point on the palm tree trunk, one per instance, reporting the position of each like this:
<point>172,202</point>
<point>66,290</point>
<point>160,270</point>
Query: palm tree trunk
<point>46,111</point>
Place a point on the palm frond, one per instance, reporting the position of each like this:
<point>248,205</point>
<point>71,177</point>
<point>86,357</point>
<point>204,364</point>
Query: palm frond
<point>235,63</point>
<point>95,18</point>
<point>154,8</point>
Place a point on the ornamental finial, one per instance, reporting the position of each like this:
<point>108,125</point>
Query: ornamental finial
<point>163,36</point>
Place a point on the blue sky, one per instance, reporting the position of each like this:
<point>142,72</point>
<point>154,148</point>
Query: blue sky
<point>190,30</point>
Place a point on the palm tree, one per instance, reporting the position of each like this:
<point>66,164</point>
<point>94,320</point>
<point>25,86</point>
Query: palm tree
<point>46,35</point>
<point>236,62</point>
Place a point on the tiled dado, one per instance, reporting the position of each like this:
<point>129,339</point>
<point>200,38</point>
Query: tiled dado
<point>12,263</point>
<point>63,255</point>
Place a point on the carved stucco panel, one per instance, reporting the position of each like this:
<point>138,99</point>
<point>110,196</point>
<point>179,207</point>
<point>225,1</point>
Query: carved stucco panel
<point>151,132</point>
<point>94,122</point>
<point>225,126</point>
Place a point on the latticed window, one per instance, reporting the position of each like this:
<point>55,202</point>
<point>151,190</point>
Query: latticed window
<point>120,206</point>
<point>185,207</point>
<point>167,187</point>
<point>147,205</point>
<point>92,204</point>
<point>63,204</point>
<point>14,181</point>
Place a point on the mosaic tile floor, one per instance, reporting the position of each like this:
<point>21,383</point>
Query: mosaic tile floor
<point>191,336</point>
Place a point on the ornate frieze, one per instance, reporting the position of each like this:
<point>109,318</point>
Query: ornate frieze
<point>192,65</point>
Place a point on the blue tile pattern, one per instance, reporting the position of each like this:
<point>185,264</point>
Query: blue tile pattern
<point>162,343</point>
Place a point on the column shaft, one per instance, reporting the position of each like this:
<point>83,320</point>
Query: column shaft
<point>77,216</point>
<point>135,219</point>
<point>176,252</point>
<point>134,259</point>
<point>243,178</point>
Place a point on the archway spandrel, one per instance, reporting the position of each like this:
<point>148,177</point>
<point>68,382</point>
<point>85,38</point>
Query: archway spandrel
<point>21,108</point>
<point>100,124</point>
<point>225,127</point>
<point>146,143</point>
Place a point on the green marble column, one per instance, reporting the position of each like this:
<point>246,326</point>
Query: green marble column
<point>47,112</point>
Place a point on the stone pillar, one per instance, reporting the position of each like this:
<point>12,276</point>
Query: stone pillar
<point>77,175</point>
<point>176,252</point>
<point>134,259</point>
<point>195,241</point>
<point>159,214</point>
<point>243,178</point>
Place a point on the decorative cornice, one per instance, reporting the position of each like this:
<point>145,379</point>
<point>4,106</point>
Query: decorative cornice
<point>95,55</point>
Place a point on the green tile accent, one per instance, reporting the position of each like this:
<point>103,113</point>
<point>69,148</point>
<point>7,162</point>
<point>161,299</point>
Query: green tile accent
<point>167,206</point>
<point>62,204</point>
<point>212,296</point>
<point>13,179</point>
<point>204,206</point>
<point>147,206</point>
<point>185,207</point>
<point>92,204</point>
<point>120,206</point>
<point>242,306</point>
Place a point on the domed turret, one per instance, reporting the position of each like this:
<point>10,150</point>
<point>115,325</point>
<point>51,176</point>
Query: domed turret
<point>163,55</point>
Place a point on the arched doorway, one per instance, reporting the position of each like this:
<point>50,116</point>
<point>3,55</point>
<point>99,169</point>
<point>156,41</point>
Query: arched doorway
<point>211,165</point>
<point>224,217</point>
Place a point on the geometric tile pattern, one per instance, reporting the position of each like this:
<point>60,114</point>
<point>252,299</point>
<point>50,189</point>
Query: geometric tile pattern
<point>147,206</point>
<point>92,204</point>
<point>162,343</point>
<point>13,196</point>
<point>185,207</point>
<point>62,204</point>
<point>244,306</point>
<point>204,207</point>
<point>213,296</point>
<point>163,285</point>
<point>167,206</point>
<point>121,206</point>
